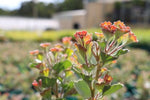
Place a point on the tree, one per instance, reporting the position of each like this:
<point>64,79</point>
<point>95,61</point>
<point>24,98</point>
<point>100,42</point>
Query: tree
<point>70,5</point>
<point>26,9</point>
<point>40,9</point>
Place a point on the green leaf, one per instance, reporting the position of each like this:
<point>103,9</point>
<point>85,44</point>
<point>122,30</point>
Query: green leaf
<point>122,51</point>
<point>62,66</point>
<point>47,82</point>
<point>89,69</point>
<point>87,78</point>
<point>67,88</point>
<point>107,58</point>
<point>107,90</point>
<point>102,45</point>
<point>118,34</point>
<point>80,59</point>
<point>33,65</point>
<point>46,94</point>
<point>69,51</point>
<point>83,89</point>
<point>100,86</point>
<point>40,57</point>
<point>93,60</point>
<point>36,65</point>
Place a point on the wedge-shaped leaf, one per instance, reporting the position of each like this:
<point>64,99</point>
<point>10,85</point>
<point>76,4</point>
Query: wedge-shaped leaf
<point>82,50</point>
<point>107,90</point>
<point>107,58</point>
<point>62,66</point>
<point>89,51</point>
<point>47,82</point>
<point>93,60</point>
<point>122,51</point>
<point>80,59</point>
<point>83,89</point>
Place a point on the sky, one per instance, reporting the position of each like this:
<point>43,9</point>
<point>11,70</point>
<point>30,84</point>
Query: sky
<point>14,4</point>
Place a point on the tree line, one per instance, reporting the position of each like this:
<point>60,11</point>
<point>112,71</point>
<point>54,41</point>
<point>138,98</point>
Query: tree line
<point>40,9</point>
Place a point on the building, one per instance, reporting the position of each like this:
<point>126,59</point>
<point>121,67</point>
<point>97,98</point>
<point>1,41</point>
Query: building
<point>74,19</point>
<point>23,23</point>
<point>97,11</point>
<point>93,13</point>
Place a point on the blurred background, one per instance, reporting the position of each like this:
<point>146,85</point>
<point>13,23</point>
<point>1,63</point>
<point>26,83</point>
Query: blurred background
<point>24,24</point>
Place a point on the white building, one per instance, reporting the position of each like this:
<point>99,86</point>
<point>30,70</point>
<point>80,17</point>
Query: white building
<point>23,23</point>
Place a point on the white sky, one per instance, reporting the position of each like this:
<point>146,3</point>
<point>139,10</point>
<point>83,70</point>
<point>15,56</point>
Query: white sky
<point>14,4</point>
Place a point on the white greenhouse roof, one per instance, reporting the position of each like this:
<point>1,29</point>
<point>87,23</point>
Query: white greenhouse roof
<point>23,23</point>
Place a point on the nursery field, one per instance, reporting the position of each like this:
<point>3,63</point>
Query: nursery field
<point>16,77</point>
<point>142,34</point>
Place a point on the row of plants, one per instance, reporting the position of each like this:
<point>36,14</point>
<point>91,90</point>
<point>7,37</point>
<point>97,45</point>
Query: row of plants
<point>39,36</point>
<point>52,36</point>
<point>81,67</point>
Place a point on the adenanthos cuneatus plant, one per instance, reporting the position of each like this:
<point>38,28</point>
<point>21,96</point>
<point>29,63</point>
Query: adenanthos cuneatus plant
<point>81,67</point>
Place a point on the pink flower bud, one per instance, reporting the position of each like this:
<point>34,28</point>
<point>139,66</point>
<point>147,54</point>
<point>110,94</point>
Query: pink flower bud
<point>107,79</point>
<point>35,83</point>
<point>40,82</point>
<point>34,52</point>
<point>66,40</point>
<point>44,45</point>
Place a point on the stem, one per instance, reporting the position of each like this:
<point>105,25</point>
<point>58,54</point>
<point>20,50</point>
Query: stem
<point>45,51</point>
<point>56,89</point>
<point>96,78</point>
<point>86,61</point>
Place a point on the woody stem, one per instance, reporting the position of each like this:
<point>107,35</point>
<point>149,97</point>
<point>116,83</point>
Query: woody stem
<point>96,78</point>
<point>56,89</point>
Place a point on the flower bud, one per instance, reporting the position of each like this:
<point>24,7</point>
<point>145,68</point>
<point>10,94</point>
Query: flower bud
<point>66,40</point>
<point>108,29</point>
<point>40,82</point>
<point>55,49</point>
<point>34,52</point>
<point>100,80</point>
<point>87,39</point>
<point>44,45</point>
<point>103,70</point>
<point>99,35</point>
<point>107,79</point>
<point>122,27</point>
<point>35,83</point>
<point>132,37</point>
<point>114,61</point>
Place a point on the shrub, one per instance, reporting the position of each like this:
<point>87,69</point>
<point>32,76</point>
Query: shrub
<point>82,66</point>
